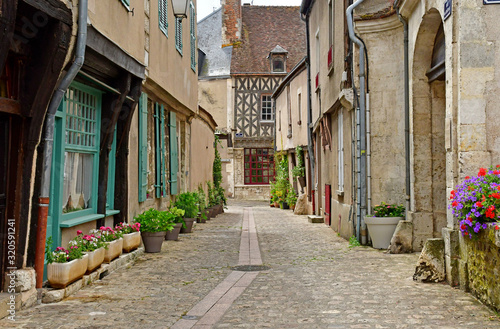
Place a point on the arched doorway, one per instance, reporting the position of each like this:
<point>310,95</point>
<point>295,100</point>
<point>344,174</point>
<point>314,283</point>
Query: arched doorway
<point>429,113</point>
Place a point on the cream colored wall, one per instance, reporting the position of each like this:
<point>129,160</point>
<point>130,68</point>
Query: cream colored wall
<point>166,67</point>
<point>202,154</point>
<point>212,96</point>
<point>112,19</point>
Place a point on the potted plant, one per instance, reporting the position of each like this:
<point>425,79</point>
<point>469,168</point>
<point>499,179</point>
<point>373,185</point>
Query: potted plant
<point>131,236</point>
<point>382,223</point>
<point>187,201</point>
<point>91,245</point>
<point>475,202</point>
<point>154,226</point>
<point>176,217</point>
<point>299,170</point>
<point>113,240</point>
<point>202,203</point>
<point>212,200</point>
<point>64,266</point>
<point>291,198</point>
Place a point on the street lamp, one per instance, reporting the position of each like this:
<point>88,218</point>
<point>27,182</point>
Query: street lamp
<point>180,8</point>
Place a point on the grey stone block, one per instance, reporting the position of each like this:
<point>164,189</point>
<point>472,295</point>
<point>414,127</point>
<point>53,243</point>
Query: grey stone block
<point>52,296</point>
<point>430,264</point>
<point>402,240</point>
<point>315,219</point>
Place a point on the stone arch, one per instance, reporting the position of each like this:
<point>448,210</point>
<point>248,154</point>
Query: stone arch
<point>428,134</point>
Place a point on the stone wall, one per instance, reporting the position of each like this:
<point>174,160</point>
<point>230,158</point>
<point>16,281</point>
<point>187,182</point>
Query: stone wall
<point>480,267</point>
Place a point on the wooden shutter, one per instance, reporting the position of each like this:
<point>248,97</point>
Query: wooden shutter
<point>178,34</point>
<point>174,166</point>
<point>143,147</point>
<point>163,181</point>
<point>157,151</point>
<point>193,35</point>
<point>162,16</point>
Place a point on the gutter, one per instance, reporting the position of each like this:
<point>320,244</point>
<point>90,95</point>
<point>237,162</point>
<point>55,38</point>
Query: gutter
<point>48,140</point>
<point>406,108</point>
<point>361,233</point>
<point>305,10</point>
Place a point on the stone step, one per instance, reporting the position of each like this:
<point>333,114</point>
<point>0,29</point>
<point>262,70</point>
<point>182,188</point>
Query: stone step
<point>315,219</point>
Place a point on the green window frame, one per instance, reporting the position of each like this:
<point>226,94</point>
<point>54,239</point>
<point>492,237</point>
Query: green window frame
<point>178,35</point>
<point>110,193</point>
<point>174,164</point>
<point>163,16</point>
<point>77,130</point>
<point>143,147</point>
<point>192,21</point>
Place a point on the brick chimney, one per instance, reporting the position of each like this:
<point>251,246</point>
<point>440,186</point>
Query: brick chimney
<point>231,21</point>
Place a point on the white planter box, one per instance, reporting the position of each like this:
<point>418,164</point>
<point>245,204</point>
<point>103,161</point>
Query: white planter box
<point>60,275</point>
<point>381,230</point>
<point>131,241</point>
<point>114,250</point>
<point>96,258</point>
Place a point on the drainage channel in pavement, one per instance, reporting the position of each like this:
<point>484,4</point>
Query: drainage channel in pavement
<point>210,309</point>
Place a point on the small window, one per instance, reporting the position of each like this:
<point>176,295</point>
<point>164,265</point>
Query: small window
<point>278,65</point>
<point>267,108</point>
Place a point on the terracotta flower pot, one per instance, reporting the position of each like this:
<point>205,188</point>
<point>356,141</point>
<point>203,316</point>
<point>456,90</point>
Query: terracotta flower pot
<point>152,241</point>
<point>60,275</point>
<point>174,234</point>
<point>131,241</point>
<point>189,225</point>
<point>114,250</point>
<point>96,258</point>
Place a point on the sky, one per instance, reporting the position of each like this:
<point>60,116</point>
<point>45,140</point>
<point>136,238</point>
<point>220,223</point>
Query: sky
<point>205,7</point>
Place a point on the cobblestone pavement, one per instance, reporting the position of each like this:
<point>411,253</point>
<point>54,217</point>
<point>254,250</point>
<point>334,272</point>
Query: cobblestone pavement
<point>315,281</point>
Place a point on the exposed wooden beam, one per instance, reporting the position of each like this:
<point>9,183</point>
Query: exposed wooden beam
<point>54,8</point>
<point>8,9</point>
<point>10,106</point>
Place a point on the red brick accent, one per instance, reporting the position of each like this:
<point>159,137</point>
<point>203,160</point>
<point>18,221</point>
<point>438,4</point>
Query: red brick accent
<point>231,21</point>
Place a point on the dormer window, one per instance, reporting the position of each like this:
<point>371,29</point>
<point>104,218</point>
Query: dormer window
<point>277,58</point>
<point>278,65</point>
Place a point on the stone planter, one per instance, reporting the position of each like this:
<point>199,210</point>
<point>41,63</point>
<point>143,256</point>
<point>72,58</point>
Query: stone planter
<point>152,241</point>
<point>189,225</point>
<point>174,234</point>
<point>96,258</point>
<point>131,241</point>
<point>114,250</point>
<point>60,275</point>
<point>381,230</point>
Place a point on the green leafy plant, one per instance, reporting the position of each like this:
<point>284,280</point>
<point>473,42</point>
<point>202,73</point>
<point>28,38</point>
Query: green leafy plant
<point>87,242</point>
<point>61,255</point>
<point>177,216</point>
<point>282,183</point>
<point>388,210</point>
<point>299,170</point>
<point>150,221</point>
<point>212,198</point>
<point>353,242</point>
<point>219,194</point>
<point>188,201</point>
<point>291,197</point>
<point>202,198</point>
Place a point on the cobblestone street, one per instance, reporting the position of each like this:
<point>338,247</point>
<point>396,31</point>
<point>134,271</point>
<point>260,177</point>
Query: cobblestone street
<point>315,281</point>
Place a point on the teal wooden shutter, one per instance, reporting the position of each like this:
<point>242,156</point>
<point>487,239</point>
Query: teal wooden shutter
<point>157,151</point>
<point>174,167</point>
<point>163,181</point>
<point>192,18</point>
<point>162,16</point>
<point>178,35</point>
<point>143,147</point>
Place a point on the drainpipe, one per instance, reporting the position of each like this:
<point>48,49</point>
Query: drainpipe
<point>310,149</point>
<point>361,149</point>
<point>407,107</point>
<point>49,141</point>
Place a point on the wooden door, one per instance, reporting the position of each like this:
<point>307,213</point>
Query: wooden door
<point>328,207</point>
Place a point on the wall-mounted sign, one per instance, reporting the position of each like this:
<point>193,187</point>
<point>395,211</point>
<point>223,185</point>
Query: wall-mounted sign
<point>238,134</point>
<point>491,2</point>
<point>447,9</point>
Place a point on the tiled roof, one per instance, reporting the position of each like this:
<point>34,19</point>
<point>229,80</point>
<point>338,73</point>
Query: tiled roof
<point>264,27</point>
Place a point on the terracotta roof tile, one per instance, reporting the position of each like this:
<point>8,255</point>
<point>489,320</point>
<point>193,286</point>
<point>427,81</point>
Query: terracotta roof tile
<point>264,27</point>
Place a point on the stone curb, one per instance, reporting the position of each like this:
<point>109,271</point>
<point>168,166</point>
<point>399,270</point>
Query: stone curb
<point>50,295</point>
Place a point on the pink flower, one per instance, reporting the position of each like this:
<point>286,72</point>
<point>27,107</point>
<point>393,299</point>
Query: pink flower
<point>102,228</point>
<point>78,232</point>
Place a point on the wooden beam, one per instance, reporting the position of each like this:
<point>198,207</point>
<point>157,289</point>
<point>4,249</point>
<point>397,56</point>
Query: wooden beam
<point>54,8</point>
<point>10,106</point>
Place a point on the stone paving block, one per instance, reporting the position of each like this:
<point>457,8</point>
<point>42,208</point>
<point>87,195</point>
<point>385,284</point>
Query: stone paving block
<point>52,296</point>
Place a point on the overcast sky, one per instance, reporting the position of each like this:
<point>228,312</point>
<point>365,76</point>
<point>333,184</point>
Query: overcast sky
<point>205,7</point>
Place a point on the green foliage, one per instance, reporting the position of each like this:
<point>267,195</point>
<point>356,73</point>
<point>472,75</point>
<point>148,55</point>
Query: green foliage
<point>282,183</point>
<point>61,255</point>
<point>291,197</point>
<point>218,192</point>
<point>188,201</point>
<point>152,221</point>
<point>299,170</point>
<point>202,198</point>
<point>353,242</point>
<point>389,210</point>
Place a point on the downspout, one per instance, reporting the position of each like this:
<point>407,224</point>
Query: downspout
<point>361,149</point>
<point>310,149</point>
<point>407,108</point>
<point>48,140</point>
